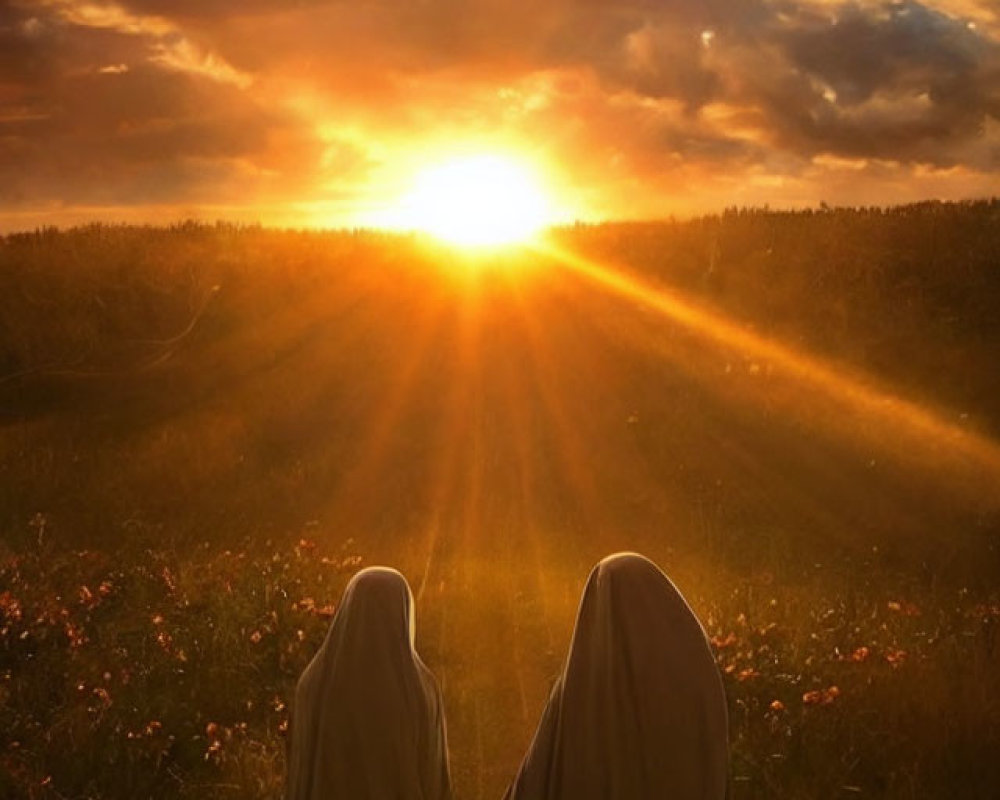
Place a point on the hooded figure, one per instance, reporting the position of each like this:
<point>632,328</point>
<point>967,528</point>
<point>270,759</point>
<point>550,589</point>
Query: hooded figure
<point>367,720</point>
<point>639,712</point>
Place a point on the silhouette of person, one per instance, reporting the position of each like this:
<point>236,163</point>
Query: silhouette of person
<point>639,710</point>
<point>367,722</point>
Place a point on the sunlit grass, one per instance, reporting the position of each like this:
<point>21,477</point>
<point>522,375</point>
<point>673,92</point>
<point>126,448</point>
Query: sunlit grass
<point>492,432</point>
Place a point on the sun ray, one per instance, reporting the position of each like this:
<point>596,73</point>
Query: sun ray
<point>899,425</point>
<point>571,447</point>
<point>378,435</point>
<point>723,441</point>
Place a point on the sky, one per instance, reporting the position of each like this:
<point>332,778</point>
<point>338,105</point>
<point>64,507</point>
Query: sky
<point>322,112</point>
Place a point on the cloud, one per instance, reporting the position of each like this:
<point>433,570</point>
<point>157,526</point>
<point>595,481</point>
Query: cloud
<point>78,130</point>
<point>640,106</point>
<point>106,15</point>
<point>897,79</point>
<point>168,46</point>
<point>856,79</point>
<point>182,55</point>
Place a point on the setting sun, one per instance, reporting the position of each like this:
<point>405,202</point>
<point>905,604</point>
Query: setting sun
<point>475,201</point>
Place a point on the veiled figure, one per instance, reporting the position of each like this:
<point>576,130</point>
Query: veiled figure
<point>367,719</point>
<point>639,711</point>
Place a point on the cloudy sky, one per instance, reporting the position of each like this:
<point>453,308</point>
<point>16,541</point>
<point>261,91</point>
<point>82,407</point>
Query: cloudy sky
<point>322,111</point>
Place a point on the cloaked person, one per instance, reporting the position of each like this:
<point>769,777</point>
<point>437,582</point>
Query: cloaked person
<point>367,721</point>
<point>639,711</point>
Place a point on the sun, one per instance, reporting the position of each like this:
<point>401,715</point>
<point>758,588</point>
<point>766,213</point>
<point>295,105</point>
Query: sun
<point>476,201</point>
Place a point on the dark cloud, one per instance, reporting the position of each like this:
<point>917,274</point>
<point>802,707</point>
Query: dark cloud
<point>895,81</point>
<point>88,117</point>
<point>903,46</point>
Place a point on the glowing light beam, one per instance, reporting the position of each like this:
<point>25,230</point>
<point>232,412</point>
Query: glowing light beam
<point>896,416</point>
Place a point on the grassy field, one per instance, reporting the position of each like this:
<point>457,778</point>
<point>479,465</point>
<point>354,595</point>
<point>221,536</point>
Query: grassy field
<point>204,431</point>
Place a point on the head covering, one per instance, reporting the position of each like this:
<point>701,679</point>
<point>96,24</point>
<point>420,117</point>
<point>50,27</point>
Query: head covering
<point>367,720</point>
<point>639,710</point>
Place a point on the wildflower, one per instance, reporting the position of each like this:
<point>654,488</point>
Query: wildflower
<point>255,637</point>
<point>211,730</point>
<point>859,655</point>
<point>214,750</point>
<point>10,606</point>
<point>821,697</point>
<point>777,705</point>
<point>77,638</point>
<point>157,619</point>
<point>747,674</point>
<point>350,562</point>
<point>983,611</point>
<point>895,656</point>
<point>722,643</point>
<point>87,597</point>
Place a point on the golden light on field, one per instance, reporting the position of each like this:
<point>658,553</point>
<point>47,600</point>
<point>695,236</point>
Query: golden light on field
<point>476,201</point>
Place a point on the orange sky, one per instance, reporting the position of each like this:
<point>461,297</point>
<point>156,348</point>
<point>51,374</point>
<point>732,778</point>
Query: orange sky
<point>322,112</point>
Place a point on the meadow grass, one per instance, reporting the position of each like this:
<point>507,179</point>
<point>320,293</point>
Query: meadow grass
<point>144,673</point>
<point>152,673</point>
<point>204,431</point>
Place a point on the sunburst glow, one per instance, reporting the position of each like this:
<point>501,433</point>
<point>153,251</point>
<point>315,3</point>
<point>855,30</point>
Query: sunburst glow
<point>477,201</point>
